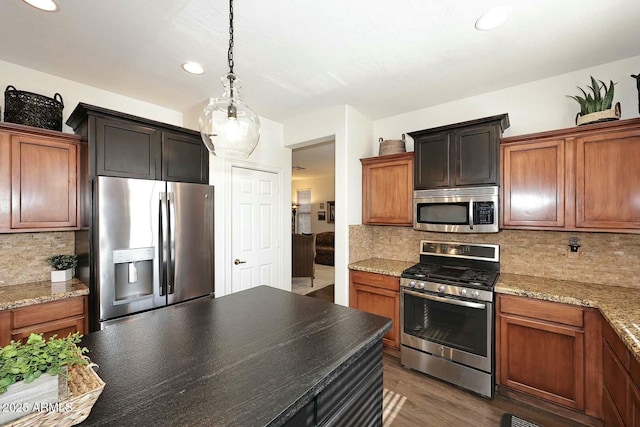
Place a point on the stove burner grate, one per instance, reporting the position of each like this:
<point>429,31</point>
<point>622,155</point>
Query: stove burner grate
<point>443,274</point>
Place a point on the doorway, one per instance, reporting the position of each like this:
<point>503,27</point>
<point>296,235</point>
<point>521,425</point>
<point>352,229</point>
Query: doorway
<point>312,198</point>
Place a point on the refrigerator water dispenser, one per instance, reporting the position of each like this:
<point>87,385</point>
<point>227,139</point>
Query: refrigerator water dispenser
<point>133,273</point>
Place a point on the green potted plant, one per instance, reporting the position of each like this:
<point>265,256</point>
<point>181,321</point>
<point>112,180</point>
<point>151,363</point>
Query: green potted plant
<point>63,265</point>
<point>34,373</point>
<point>596,106</point>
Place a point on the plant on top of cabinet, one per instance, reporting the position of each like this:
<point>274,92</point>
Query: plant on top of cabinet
<point>597,108</point>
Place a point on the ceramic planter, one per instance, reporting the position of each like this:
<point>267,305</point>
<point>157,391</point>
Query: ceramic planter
<point>61,275</point>
<point>600,116</point>
<point>22,399</point>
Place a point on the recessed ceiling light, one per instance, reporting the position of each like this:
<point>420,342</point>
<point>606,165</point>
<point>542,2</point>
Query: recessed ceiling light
<point>492,19</point>
<point>46,5</point>
<point>193,67</point>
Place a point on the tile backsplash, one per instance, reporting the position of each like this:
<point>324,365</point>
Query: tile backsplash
<point>22,255</point>
<point>603,258</point>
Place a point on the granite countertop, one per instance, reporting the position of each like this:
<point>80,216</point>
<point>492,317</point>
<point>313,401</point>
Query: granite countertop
<point>252,358</point>
<point>619,306</point>
<point>388,267</point>
<point>15,296</point>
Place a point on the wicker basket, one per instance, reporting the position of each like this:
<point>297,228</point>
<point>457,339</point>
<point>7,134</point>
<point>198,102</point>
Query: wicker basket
<point>85,387</point>
<point>32,109</point>
<point>391,146</point>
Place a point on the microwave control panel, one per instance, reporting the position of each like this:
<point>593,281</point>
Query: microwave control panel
<point>483,213</point>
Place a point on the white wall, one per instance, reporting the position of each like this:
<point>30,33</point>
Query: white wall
<point>322,190</point>
<point>72,93</point>
<point>270,155</point>
<point>533,107</point>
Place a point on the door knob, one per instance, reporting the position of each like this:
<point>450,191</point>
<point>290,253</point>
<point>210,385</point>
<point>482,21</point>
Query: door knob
<point>237,261</point>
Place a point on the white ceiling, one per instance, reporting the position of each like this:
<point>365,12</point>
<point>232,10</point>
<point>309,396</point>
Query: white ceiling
<point>318,160</point>
<point>381,57</point>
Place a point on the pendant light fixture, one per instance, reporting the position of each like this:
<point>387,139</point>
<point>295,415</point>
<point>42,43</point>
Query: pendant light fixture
<point>229,128</point>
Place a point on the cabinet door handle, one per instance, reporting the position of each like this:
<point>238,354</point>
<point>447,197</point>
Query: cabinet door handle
<point>237,261</point>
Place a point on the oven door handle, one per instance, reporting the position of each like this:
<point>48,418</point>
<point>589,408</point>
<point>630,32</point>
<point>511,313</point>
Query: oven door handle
<point>446,300</point>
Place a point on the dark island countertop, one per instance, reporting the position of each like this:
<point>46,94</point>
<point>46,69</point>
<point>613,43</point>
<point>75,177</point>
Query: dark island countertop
<point>253,358</point>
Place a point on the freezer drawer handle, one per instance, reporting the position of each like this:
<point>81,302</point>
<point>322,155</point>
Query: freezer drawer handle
<point>237,261</point>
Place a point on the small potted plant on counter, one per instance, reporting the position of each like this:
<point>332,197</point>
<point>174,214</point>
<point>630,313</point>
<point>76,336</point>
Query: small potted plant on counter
<point>596,106</point>
<point>63,265</point>
<point>24,387</point>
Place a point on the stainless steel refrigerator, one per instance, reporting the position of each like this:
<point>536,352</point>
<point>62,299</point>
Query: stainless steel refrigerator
<point>152,245</point>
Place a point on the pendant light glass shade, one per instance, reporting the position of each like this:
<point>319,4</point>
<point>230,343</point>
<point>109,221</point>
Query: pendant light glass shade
<point>229,128</point>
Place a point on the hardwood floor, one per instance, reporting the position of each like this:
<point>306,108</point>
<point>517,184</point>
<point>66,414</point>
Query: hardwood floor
<point>427,402</point>
<point>325,293</point>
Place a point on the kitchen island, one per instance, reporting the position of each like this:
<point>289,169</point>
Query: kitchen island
<point>260,357</point>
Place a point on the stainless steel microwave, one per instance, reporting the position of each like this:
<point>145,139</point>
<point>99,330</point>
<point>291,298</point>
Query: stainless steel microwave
<point>456,210</point>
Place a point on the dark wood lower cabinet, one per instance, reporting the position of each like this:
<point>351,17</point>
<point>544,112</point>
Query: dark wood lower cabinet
<point>634,405</point>
<point>49,318</point>
<point>378,294</point>
<point>610,415</point>
<point>551,352</point>
<point>543,359</point>
<point>621,372</point>
<point>567,355</point>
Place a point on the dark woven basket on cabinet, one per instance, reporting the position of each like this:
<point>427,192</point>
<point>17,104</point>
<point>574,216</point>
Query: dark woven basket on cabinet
<point>32,109</point>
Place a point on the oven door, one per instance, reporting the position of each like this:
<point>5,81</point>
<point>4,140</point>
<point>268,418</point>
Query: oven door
<point>455,329</point>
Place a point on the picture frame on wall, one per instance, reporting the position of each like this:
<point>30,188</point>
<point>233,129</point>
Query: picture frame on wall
<point>331,207</point>
<point>321,205</point>
<point>321,215</point>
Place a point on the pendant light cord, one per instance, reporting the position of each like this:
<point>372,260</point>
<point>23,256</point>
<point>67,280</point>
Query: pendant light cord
<point>230,53</point>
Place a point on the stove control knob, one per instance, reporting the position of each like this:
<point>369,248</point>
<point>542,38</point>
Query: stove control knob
<point>463,292</point>
<point>412,284</point>
<point>420,285</point>
<point>441,288</point>
<point>475,294</point>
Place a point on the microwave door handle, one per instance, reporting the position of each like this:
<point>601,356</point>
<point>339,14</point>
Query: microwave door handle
<point>471,215</point>
<point>446,300</point>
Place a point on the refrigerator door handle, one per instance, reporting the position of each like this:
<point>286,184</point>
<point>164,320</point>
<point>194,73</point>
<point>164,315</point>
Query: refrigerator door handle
<point>162,243</point>
<point>171,241</point>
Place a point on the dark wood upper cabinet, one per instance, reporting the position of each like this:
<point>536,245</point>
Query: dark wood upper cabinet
<point>459,155</point>
<point>184,158</point>
<point>432,160</point>
<point>127,146</point>
<point>476,155</point>
<point>127,149</point>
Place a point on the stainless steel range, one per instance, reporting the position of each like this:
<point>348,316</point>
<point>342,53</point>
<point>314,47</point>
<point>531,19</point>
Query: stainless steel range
<point>447,314</point>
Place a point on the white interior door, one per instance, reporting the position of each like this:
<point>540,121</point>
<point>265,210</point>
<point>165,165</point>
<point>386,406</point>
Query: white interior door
<point>255,210</point>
